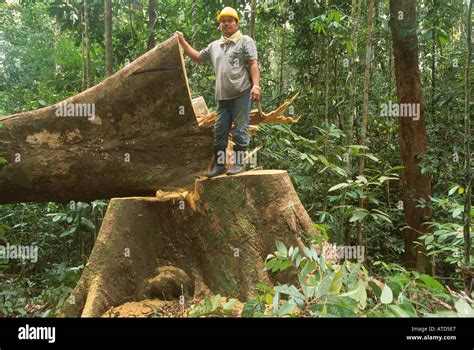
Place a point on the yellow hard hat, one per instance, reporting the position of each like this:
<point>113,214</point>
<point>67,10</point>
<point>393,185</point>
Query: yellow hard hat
<point>228,11</point>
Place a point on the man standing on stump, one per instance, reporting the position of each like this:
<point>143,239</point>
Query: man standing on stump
<point>234,57</point>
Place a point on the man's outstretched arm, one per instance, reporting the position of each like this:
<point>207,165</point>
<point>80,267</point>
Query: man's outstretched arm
<point>188,49</point>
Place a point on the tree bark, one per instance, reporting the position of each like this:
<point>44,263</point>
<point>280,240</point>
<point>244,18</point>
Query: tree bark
<point>83,59</point>
<point>365,110</point>
<point>152,7</point>
<point>412,133</point>
<point>193,22</point>
<point>212,240</point>
<point>88,46</point>
<point>349,127</point>
<point>433,63</point>
<point>326,111</point>
<point>108,38</point>
<point>355,14</point>
<point>467,153</point>
<point>282,60</point>
<point>144,136</point>
<point>253,15</point>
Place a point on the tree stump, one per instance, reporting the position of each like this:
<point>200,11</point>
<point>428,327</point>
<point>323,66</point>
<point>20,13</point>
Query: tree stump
<point>212,240</point>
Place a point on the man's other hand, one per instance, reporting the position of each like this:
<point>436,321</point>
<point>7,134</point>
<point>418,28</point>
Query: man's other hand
<point>255,93</point>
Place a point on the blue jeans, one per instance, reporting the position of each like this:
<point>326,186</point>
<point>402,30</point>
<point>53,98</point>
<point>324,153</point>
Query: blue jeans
<point>236,110</point>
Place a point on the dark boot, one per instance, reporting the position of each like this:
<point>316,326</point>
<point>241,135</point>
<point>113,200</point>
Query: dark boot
<point>239,163</point>
<point>218,167</point>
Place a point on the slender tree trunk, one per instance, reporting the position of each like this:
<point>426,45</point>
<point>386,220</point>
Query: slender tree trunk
<point>282,60</point>
<point>152,7</point>
<point>355,14</point>
<point>326,111</point>
<point>365,111</point>
<point>412,132</point>
<point>337,120</point>
<point>108,38</point>
<point>389,98</point>
<point>467,149</point>
<point>88,45</point>
<point>193,22</point>
<point>83,59</point>
<point>253,13</point>
<point>433,64</point>
<point>356,8</point>
<point>130,21</point>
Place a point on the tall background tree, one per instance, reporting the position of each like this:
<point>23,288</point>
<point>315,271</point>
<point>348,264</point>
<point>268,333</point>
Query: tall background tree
<point>467,153</point>
<point>412,132</point>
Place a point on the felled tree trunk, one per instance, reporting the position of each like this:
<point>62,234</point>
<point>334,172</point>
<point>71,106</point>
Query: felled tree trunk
<point>143,136</point>
<point>189,244</point>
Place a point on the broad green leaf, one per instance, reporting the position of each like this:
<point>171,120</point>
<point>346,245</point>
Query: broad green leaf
<point>230,304</point>
<point>276,302</point>
<point>452,190</point>
<point>398,311</point>
<point>338,186</point>
<point>358,215</point>
<point>270,263</point>
<point>281,248</point>
<point>336,283</point>
<point>287,308</point>
<point>295,254</point>
<point>309,266</point>
<point>429,239</point>
<point>314,254</point>
<point>463,308</point>
<point>252,308</point>
<point>216,302</point>
<point>307,252</point>
<point>323,287</point>
<point>88,223</point>
<point>387,295</point>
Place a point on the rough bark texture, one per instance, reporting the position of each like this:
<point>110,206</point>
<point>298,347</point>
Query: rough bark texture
<point>412,133</point>
<point>108,38</point>
<point>152,8</point>
<point>468,275</point>
<point>212,240</point>
<point>365,109</point>
<point>88,64</point>
<point>144,136</point>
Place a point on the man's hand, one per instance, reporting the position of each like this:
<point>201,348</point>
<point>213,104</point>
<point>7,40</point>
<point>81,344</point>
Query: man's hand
<point>192,53</point>
<point>255,93</point>
<point>181,38</point>
<point>255,78</point>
